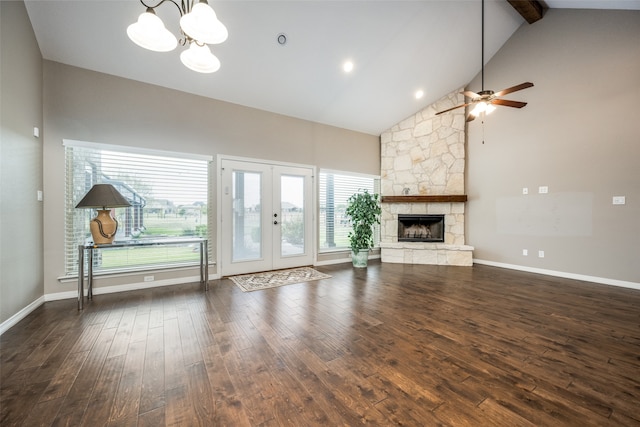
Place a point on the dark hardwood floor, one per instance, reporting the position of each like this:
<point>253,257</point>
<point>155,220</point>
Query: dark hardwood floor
<point>389,345</point>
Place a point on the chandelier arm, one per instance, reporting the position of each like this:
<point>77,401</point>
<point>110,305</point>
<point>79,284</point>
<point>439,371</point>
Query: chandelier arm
<point>186,5</point>
<point>181,10</point>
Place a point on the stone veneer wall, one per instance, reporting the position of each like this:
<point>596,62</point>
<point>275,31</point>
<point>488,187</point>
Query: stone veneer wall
<point>425,155</point>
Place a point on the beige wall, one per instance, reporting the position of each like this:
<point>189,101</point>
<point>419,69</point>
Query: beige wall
<point>578,136</point>
<point>21,274</point>
<point>89,106</point>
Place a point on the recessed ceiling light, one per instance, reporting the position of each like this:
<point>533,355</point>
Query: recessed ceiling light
<point>419,94</point>
<point>282,39</point>
<point>347,66</point>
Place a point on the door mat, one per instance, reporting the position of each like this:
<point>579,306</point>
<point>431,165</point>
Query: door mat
<point>273,279</point>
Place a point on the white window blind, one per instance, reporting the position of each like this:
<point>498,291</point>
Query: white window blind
<point>335,189</point>
<point>169,198</point>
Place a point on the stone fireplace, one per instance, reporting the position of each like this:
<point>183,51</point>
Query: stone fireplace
<point>422,176</point>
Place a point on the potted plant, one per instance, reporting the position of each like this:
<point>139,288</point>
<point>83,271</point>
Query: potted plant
<point>363,211</point>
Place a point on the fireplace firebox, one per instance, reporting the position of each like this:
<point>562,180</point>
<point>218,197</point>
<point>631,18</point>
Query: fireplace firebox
<point>420,228</point>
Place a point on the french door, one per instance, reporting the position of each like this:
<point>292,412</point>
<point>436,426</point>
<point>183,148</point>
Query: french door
<point>266,216</point>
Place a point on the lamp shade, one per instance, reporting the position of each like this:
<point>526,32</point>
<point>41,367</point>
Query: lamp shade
<point>150,33</point>
<point>203,25</point>
<point>200,59</point>
<point>103,196</point>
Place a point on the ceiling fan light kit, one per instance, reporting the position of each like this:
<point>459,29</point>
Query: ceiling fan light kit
<point>485,101</point>
<point>199,26</point>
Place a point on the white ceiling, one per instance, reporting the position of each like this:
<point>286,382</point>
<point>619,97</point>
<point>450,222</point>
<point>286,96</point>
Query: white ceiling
<point>398,47</point>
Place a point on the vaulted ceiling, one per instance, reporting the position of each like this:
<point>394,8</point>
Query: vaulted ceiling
<point>398,48</point>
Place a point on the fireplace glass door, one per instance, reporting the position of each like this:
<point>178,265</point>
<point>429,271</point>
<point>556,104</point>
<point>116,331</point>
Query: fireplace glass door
<point>421,228</point>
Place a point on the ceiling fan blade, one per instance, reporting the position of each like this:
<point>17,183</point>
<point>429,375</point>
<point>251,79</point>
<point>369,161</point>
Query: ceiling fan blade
<point>470,117</point>
<point>514,88</point>
<point>470,94</point>
<point>452,108</point>
<point>507,103</point>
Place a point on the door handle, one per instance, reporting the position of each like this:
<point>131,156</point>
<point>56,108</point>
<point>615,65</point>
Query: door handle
<point>275,222</point>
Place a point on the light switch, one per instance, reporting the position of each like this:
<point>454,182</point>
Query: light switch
<point>525,190</point>
<point>39,195</point>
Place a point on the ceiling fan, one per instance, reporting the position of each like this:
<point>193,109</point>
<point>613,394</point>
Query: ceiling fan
<point>486,100</point>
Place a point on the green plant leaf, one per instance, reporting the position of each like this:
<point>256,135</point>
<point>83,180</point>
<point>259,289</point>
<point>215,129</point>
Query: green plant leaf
<point>363,211</point>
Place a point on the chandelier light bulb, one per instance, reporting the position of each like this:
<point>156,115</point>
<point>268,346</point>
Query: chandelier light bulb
<point>150,33</point>
<point>203,25</point>
<point>199,58</point>
<point>490,109</point>
<point>479,108</point>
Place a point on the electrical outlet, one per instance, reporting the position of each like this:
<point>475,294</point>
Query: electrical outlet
<point>543,189</point>
<point>525,252</point>
<point>540,254</point>
<point>149,278</point>
<point>619,200</point>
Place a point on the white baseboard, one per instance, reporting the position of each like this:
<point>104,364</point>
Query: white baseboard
<point>341,260</point>
<point>565,275</point>
<point>4,327</point>
<point>124,288</point>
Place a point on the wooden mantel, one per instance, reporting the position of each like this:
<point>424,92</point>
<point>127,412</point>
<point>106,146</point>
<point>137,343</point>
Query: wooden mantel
<point>436,198</point>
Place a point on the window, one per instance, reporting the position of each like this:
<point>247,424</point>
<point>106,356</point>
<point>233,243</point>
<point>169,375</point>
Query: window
<point>168,193</point>
<point>335,189</point>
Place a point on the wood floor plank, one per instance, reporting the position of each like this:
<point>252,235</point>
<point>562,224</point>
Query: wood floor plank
<point>174,369</point>
<point>153,418</point>
<point>140,326</point>
<point>62,382</point>
<point>18,401</point>
<point>201,395</point>
<point>43,412</point>
<point>42,352</point>
<point>126,401</point>
<point>123,333</point>
<point>179,411</point>
<point>73,407</point>
<point>152,393</point>
<point>103,394</point>
<point>188,340</point>
<point>257,408</point>
<point>229,410</point>
<point>501,416</point>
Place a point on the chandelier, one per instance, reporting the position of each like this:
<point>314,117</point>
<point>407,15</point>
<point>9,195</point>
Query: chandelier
<point>199,26</point>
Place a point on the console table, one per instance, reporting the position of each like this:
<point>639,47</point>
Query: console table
<point>90,248</point>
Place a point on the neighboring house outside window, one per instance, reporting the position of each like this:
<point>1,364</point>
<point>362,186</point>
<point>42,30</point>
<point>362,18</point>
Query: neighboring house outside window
<point>168,193</point>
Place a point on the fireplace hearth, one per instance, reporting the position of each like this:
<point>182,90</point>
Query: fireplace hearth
<point>420,228</point>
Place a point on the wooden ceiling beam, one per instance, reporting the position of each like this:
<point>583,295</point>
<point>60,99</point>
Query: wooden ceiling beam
<point>531,10</point>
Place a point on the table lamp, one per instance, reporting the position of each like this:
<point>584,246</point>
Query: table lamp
<point>103,197</point>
